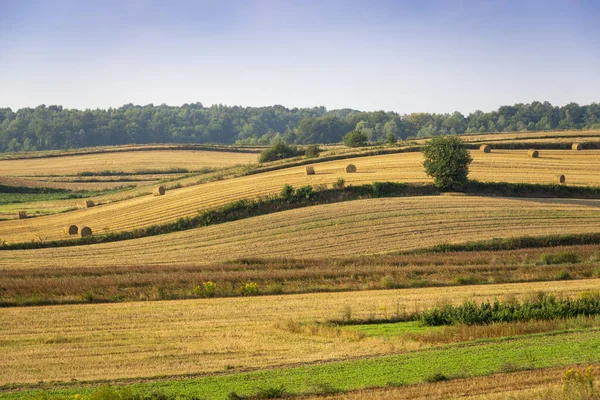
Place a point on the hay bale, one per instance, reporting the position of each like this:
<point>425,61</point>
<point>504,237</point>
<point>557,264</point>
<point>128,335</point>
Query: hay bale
<point>576,146</point>
<point>351,168</point>
<point>85,231</point>
<point>485,148</point>
<point>159,191</point>
<point>71,230</point>
<point>310,170</point>
<point>533,153</point>
<point>88,204</point>
<point>22,214</point>
<point>560,179</point>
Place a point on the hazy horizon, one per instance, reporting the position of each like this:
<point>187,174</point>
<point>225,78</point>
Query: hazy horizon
<point>417,56</point>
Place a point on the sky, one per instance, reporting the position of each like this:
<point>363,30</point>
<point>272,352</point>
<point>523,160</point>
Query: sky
<point>404,56</point>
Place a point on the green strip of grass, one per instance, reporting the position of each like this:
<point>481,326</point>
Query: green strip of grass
<point>473,359</point>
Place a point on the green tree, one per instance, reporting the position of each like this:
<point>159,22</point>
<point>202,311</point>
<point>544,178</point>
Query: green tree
<point>279,151</point>
<point>355,139</point>
<point>447,162</point>
<point>391,139</point>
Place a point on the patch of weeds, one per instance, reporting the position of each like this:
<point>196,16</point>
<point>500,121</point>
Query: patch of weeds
<point>437,377</point>
<point>271,392</point>
<point>388,282</point>
<point>563,257</point>
<point>249,289</point>
<point>563,275</point>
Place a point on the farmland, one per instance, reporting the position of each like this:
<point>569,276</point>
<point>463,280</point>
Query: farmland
<point>317,299</point>
<point>507,165</point>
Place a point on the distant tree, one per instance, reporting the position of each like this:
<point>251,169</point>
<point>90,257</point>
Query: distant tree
<point>391,139</point>
<point>355,139</point>
<point>312,151</point>
<point>447,162</point>
<point>279,151</point>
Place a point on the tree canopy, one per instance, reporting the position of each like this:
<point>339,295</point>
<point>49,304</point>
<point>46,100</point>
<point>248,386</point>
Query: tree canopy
<point>447,162</point>
<point>55,127</point>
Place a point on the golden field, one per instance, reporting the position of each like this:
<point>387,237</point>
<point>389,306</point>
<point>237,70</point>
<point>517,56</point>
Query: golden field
<point>163,338</point>
<point>343,229</point>
<point>124,161</point>
<point>580,168</point>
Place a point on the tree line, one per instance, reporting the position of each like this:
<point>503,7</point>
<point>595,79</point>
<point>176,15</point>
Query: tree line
<point>55,127</point>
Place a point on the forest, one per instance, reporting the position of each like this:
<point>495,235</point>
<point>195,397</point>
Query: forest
<point>55,127</point>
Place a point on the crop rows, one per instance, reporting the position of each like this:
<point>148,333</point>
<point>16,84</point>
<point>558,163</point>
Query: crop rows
<point>351,228</point>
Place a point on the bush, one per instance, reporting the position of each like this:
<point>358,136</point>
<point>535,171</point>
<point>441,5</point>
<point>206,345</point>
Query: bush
<point>287,192</point>
<point>388,282</point>
<point>543,308</point>
<point>447,162</point>
<point>207,289</point>
<point>339,184</point>
<point>279,151</point>
<point>304,192</point>
<point>249,289</point>
<point>312,151</point>
<point>355,139</point>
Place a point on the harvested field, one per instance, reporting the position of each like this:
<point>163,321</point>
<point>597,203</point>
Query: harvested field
<point>344,229</point>
<point>112,341</point>
<point>513,166</point>
<point>127,162</point>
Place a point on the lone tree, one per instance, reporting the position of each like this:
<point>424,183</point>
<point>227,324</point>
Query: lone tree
<point>447,162</point>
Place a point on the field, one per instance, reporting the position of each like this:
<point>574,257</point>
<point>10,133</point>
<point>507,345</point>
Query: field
<point>311,300</point>
<point>511,166</point>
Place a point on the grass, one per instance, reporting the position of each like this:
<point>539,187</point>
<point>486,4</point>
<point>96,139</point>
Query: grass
<point>530,352</point>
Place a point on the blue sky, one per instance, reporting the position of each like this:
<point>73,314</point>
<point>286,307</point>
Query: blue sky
<point>404,56</point>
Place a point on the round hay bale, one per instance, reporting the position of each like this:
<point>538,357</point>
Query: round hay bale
<point>85,231</point>
<point>485,148</point>
<point>533,153</point>
<point>71,230</point>
<point>576,146</point>
<point>310,170</point>
<point>22,214</point>
<point>88,204</point>
<point>159,191</point>
<point>560,179</point>
<point>351,168</point>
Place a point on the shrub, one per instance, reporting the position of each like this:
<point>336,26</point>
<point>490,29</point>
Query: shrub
<point>447,162</point>
<point>543,308</point>
<point>437,377</point>
<point>279,151</point>
<point>312,151</point>
<point>563,275</point>
<point>388,282</point>
<point>304,192</point>
<point>287,192</point>
<point>271,393</point>
<point>249,289</point>
<point>207,289</point>
<point>339,184</point>
<point>355,139</point>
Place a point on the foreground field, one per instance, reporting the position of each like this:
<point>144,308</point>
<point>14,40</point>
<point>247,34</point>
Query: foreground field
<point>132,340</point>
<point>581,168</point>
<point>351,228</point>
